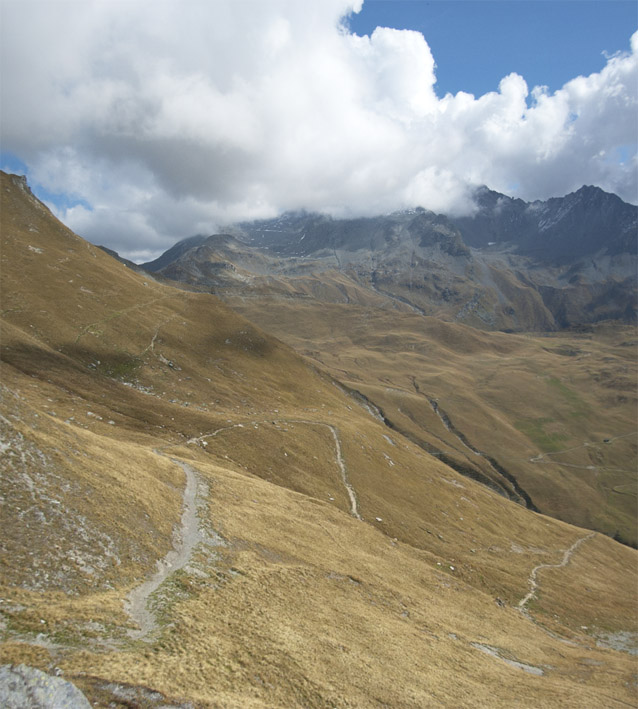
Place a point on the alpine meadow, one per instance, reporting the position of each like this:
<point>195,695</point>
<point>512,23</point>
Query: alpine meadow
<point>318,354</point>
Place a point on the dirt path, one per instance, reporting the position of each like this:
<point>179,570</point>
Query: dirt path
<point>185,540</point>
<point>352,495</point>
<point>533,583</point>
<point>86,329</point>
<point>587,444</point>
<point>151,345</point>
<point>354,503</point>
<point>200,439</point>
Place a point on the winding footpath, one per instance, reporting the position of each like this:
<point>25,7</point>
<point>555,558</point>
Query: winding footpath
<point>541,458</point>
<point>354,503</point>
<point>533,582</point>
<point>352,495</point>
<point>86,329</point>
<point>185,540</point>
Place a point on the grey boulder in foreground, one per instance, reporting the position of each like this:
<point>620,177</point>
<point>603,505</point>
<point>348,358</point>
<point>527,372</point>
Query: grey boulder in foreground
<point>22,687</point>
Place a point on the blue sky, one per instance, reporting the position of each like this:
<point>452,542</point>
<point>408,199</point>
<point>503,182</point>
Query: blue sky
<point>146,121</point>
<point>61,202</point>
<point>475,43</point>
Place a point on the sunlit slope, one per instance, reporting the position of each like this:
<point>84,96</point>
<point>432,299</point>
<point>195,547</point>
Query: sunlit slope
<point>557,413</point>
<point>322,559</point>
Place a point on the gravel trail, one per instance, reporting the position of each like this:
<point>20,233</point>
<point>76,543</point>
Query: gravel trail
<point>352,495</point>
<point>533,582</point>
<point>185,540</point>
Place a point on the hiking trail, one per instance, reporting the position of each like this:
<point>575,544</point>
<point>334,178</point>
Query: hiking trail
<point>190,534</point>
<point>352,495</point>
<point>532,581</point>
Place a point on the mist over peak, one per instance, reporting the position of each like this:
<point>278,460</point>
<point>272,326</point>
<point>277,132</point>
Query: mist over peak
<point>169,118</point>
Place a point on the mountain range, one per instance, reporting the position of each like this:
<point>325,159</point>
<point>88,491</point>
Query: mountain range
<point>513,265</point>
<point>337,501</point>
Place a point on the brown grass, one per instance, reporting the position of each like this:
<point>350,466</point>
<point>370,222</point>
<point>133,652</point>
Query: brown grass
<point>303,605</point>
<point>570,398</point>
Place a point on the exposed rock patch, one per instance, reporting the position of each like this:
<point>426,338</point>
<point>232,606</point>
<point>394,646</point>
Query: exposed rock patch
<point>496,652</point>
<point>23,687</point>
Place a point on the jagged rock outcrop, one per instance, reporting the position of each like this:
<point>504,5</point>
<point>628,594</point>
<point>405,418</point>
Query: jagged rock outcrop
<point>513,265</point>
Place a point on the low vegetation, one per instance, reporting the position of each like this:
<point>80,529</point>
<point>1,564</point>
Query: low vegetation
<point>108,394</point>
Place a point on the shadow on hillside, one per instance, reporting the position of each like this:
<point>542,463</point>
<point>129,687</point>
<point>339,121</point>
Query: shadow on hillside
<point>71,361</point>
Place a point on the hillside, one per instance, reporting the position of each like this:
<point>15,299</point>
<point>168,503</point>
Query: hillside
<point>546,417</point>
<point>295,550</point>
<point>548,421</point>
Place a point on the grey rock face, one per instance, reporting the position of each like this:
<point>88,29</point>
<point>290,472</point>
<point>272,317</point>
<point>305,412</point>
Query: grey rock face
<point>512,265</point>
<point>558,231</point>
<point>23,687</point>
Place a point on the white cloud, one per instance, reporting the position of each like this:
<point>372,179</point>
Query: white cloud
<point>170,118</point>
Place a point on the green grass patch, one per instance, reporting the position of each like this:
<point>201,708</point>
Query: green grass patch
<point>124,367</point>
<point>546,441</point>
<point>578,406</point>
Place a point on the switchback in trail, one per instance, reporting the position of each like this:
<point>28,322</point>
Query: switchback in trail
<point>352,496</point>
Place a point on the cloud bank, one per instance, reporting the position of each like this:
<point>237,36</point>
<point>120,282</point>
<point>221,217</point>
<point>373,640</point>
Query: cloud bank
<point>164,119</point>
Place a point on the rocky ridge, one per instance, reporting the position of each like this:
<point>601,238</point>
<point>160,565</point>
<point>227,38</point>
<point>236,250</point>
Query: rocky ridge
<point>540,266</point>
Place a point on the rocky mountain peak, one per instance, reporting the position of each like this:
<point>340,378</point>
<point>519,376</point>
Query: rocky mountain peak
<point>512,265</point>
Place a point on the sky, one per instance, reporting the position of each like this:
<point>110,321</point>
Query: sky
<point>142,122</point>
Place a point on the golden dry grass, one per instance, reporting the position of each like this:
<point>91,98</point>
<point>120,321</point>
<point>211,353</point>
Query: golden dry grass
<point>558,412</point>
<point>301,604</point>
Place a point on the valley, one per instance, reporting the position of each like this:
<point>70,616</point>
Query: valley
<point>497,357</point>
<point>307,495</point>
<point>545,429</point>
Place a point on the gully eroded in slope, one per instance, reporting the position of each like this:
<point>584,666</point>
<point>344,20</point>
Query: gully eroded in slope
<point>465,470</point>
<point>519,494</point>
<point>514,490</point>
<point>393,296</point>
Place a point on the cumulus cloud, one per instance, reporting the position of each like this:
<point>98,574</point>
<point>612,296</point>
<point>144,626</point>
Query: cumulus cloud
<point>166,118</point>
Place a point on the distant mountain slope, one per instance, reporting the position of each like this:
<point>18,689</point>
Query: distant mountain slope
<point>540,266</point>
<point>193,514</point>
<point>556,232</point>
<point>130,264</point>
<point>174,253</point>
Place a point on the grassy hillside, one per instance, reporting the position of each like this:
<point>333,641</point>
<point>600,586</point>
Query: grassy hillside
<point>308,554</point>
<point>554,412</point>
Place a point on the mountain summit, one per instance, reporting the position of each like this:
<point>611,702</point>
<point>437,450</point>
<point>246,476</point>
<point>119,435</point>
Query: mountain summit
<point>513,265</point>
<point>560,231</point>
